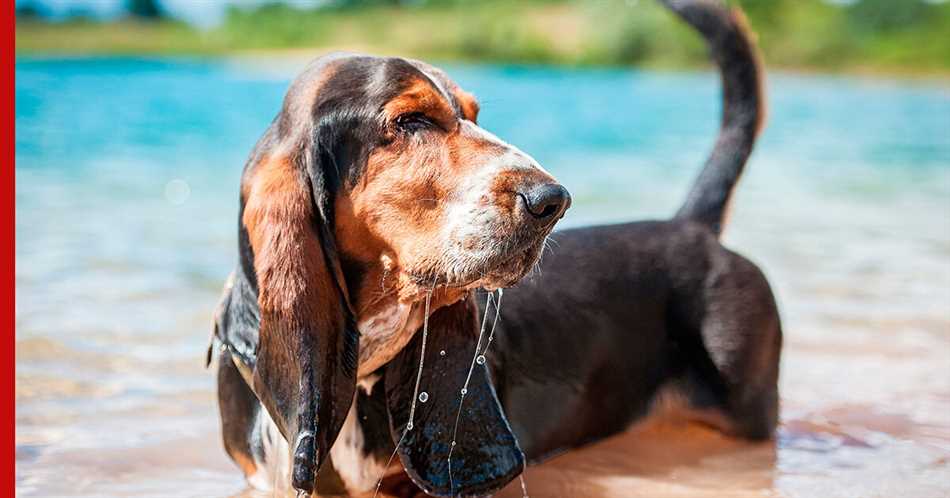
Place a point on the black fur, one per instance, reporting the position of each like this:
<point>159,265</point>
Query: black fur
<point>733,50</point>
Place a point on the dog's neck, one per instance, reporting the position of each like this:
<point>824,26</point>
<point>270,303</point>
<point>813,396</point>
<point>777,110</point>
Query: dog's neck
<point>390,308</point>
<point>389,303</point>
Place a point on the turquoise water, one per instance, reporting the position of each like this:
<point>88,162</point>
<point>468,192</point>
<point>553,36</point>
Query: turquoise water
<point>127,176</point>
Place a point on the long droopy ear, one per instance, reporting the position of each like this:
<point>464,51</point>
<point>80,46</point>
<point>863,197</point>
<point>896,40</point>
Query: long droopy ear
<point>307,356</point>
<point>486,455</point>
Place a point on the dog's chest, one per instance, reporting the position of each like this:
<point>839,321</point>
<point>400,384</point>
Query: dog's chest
<point>384,332</point>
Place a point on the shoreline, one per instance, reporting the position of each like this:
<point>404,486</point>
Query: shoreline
<point>304,54</point>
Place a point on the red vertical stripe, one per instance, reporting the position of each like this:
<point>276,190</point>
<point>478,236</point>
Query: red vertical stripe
<point>8,200</point>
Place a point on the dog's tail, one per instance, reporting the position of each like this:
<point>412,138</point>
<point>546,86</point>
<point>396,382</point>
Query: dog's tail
<point>732,47</point>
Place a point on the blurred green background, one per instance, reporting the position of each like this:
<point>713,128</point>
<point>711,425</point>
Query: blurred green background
<point>888,36</point>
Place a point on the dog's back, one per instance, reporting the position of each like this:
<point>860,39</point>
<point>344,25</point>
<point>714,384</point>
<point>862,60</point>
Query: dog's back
<point>619,318</point>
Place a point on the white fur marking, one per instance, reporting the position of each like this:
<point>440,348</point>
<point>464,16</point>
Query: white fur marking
<point>273,469</point>
<point>383,335</point>
<point>358,471</point>
<point>367,383</point>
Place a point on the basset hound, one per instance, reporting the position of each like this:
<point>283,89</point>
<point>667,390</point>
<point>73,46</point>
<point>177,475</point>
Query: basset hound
<point>623,320</point>
<point>373,197</point>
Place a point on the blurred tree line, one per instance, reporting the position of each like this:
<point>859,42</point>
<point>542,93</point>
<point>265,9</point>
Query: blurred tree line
<point>901,35</point>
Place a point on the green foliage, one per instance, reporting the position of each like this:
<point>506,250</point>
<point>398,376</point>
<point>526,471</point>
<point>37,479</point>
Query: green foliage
<point>863,34</point>
<point>890,15</point>
<point>881,35</point>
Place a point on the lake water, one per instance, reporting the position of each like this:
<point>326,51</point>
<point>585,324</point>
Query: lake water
<point>127,176</point>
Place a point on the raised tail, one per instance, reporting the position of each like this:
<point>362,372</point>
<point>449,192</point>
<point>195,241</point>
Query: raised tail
<point>733,48</point>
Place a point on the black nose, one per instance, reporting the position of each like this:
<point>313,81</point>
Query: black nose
<point>547,202</point>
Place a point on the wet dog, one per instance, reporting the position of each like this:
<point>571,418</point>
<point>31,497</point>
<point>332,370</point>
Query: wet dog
<point>372,200</point>
<point>655,317</point>
<point>620,317</point>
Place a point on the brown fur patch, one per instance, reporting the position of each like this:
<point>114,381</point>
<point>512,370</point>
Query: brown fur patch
<point>288,257</point>
<point>296,290</point>
<point>421,97</point>
<point>468,103</point>
<point>245,462</point>
<point>399,205</point>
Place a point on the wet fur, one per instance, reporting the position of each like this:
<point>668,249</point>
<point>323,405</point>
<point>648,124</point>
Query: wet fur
<point>654,317</point>
<point>617,319</point>
<point>372,188</point>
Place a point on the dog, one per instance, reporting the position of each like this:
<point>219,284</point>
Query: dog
<point>620,320</point>
<point>372,206</point>
<point>647,318</point>
<point>626,319</point>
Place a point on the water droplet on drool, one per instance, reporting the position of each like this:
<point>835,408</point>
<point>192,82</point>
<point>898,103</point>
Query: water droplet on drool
<point>442,353</point>
<point>480,359</point>
<point>409,426</point>
<point>423,396</point>
<point>464,391</point>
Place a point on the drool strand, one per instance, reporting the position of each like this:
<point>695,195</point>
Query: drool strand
<point>422,359</point>
<point>415,391</point>
<point>468,378</point>
<point>491,335</point>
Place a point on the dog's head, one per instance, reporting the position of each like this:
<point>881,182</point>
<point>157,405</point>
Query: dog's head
<point>375,182</point>
<point>443,200</point>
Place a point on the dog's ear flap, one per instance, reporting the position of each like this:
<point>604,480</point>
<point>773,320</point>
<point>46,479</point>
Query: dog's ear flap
<point>486,455</point>
<point>306,362</point>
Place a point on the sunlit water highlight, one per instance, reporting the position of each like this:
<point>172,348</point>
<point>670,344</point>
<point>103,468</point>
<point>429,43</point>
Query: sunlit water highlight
<point>127,176</point>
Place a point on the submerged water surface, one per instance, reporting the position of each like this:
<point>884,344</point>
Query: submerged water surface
<point>127,196</point>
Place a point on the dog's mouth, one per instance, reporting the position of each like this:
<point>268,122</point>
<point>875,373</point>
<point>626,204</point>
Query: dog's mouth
<point>512,258</point>
<point>500,268</point>
<point>513,268</point>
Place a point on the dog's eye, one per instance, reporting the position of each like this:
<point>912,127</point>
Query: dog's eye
<point>413,122</point>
